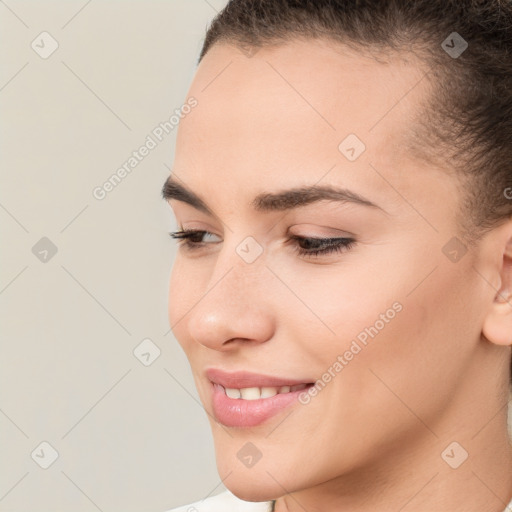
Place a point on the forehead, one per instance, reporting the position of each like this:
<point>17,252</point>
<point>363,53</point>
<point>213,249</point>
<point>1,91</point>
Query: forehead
<point>330,89</point>
<point>284,112</point>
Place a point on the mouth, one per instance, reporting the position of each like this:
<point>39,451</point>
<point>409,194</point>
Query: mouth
<point>256,393</point>
<point>244,399</point>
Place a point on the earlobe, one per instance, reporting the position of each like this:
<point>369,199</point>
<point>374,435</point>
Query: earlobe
<point>497,327</point>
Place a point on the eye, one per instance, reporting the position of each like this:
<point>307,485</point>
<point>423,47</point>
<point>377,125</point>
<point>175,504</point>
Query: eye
<point>321,246</point>
<point>191,239</point>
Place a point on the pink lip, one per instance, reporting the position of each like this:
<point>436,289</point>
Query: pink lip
<point>239,380</point>
<point>236,412</point>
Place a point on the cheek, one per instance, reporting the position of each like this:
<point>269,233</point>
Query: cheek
<point>343,305</point>
<point>397,341</point>
<point>426,346</point>
<point>174,296</point>
<point>180,300</point>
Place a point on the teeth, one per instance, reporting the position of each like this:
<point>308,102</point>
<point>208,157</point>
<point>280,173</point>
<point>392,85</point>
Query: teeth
<point>250,393</point>
<point>233,393</point>
<point>257,393</point>
<point>268,392</point>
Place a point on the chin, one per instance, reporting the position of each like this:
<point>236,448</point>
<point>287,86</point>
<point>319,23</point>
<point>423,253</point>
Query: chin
<point>249,483</point>
<point>248,489</point>
<point>263,482</point>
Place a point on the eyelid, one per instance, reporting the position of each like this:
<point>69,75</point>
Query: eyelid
<point>340,234</point>
<point>327,245</point>
<point>313,232</point>
<point>185,233</point>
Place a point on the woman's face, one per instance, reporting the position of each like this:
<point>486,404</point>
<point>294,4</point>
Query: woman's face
<point>395,313</point>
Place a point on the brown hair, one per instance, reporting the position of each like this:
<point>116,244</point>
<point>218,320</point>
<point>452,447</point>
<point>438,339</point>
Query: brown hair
<point>466,121</point>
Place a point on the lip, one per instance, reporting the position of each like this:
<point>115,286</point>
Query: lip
<point>236,412</point>
<point>239,380</point>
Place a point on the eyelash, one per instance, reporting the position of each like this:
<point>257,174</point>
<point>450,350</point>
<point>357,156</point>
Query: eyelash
<point>329,245</point>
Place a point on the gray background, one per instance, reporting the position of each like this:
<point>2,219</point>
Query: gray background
<point>130,432</point>
<point>130,437</point>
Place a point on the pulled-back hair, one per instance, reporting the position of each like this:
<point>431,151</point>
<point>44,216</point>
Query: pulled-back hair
<point>464,124</point>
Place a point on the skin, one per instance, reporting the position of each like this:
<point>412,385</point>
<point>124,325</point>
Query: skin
<point>437,373</point>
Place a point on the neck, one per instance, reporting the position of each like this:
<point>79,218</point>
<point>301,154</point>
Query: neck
<point>416,476</point>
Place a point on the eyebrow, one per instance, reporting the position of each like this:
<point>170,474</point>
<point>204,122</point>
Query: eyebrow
<point>271,202</point>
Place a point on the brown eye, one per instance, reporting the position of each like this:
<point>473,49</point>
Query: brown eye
<point>191,238</point>
<point>320,246</point>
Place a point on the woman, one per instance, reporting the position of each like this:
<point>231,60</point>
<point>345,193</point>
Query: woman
<point>342,285</point>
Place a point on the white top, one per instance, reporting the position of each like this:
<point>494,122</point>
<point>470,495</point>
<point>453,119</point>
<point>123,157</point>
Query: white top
<point>228,502</point>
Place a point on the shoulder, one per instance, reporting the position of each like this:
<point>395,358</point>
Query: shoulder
<point>224,502</point>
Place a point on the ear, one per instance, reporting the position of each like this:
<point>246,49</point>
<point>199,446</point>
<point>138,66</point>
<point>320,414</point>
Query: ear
<point>497,327</point>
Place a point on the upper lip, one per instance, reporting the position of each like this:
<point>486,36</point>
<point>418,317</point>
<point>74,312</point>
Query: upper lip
<point>240,380</point>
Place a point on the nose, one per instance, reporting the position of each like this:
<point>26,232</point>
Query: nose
<point>235,309</point>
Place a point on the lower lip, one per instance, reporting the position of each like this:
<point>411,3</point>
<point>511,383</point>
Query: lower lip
<point>236,412</point>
